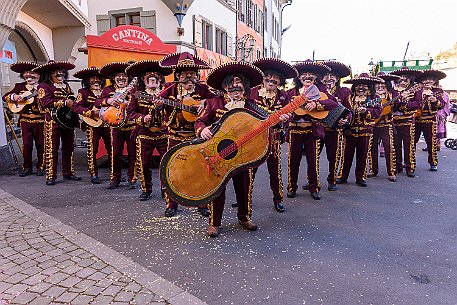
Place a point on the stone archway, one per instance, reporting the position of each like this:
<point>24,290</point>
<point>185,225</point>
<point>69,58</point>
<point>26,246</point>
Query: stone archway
<point>74,52</point>
<point>33,41</point>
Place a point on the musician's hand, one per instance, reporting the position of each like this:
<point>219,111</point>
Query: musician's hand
<point>112,102</point>
<point>206,133</point>
<point>96,112</point>
<point>17,98</point>
<point>284,117</point>
<point>201,107</point>
<point>310,106</point>
<point>342,122</point>
<point>147,118</point>
<point>69,103</point>
<point>361,109</point>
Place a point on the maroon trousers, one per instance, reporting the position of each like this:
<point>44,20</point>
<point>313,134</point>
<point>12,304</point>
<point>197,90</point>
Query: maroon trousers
<point>118,138</point>
<point>428,128</point>
<point>145,148</point>
<point>404,145</point>
<point>32,132</point>
<point>385,135</point>
<point>332,148</point>
<point>355,145</point>
<point>299,137</point>
<point>94,134</point>
<point>55,134</point>
<point>242,183</point>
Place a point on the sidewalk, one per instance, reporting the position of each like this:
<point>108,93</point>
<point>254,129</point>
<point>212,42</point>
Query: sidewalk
<point>43,261</point>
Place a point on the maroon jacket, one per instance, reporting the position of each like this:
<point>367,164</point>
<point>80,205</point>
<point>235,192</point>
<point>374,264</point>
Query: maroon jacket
<point>362,123</point>
<point>429,109</point>
<point>85,102</point>
<point>138,109</point>
<point>404,110</point>
<point>101,101</point>
<point>173,118</point>
<point>32,113</point>
<point>53,98</point>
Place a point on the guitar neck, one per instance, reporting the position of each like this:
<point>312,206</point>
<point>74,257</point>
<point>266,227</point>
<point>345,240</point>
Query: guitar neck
<point>178,105</point>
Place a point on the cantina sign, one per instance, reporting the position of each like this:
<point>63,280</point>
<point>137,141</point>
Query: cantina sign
<point>130,38</point>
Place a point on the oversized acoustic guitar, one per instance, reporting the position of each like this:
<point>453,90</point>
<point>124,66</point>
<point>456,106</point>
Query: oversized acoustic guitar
<point>27,98</point>
<point>93,122</point>
<point>316,114</point>
<point>188,105</point>
<point>387,104</point>
<point>116,116</point>
<point>195,172</point>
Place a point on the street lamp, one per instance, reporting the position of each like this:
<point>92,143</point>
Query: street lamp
<point>289,2</point>
<point>179,9</point>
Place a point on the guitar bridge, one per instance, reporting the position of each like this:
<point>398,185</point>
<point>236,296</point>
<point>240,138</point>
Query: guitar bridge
<point>209,165</point>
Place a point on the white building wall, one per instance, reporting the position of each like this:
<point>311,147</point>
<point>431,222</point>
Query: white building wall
<point>269,42</point>
<point>43,32</point>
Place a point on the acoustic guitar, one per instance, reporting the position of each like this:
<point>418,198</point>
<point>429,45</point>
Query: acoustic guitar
<point>387,104</point>
<point>316,114</point>
<point>195,172</point>
<point>189,106</point>
<point>418,112</point>
<point>27,99</point>
<point>93,122</point>
<point>116,116</point>
<point>65,117</point>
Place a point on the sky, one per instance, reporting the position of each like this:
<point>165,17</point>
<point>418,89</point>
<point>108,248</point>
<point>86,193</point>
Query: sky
<point>354,31</point>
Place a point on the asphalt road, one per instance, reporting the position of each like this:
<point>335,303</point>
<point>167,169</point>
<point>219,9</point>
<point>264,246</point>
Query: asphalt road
<point>389,243</point>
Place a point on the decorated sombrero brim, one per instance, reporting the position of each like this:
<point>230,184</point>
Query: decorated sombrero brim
<point>387,77</point>
<point>406,71</point>
<point>86,73</point>
<point>312,66</point>
<point>22,66</point>
<point>276,64</point>
<point>435,74</point>
<point>337,68</point>
<point>53,65</point>
<point>182,61</point>
<point>113,67</point>
<point>364,78</point>
<point>140,67</point>
<point>218,74</point>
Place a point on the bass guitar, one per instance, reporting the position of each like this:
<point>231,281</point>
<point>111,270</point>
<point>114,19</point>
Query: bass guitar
<point>387,104</point>
<point>240,140</point>
<point>316,114</point>
<point>189,106</point>
<point>116,116</point>
<point>27,98</point>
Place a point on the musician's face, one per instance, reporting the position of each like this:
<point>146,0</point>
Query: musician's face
<point>95,83</point>
<point>151,80</point>
<point>236,89</point>
<point>271,82</point>
<point>31,78</point>
<point>188,78</point>
<point>58,76</point>
<point>428,82</point>
<point>121,79</point>
<point>381,89</point>
<point>330,80</point>
<point>403,82</point>
<point>307,79</point>
<point>362,90</point>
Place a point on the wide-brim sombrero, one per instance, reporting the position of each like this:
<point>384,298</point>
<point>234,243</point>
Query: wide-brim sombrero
<point>312,67</point>
<point>54,65</point>
<point>407,71</point>
<point>276,64</point>
<point>22,66</point>
<point>338,68</point>
<point>387,77</point>
<point>140,67</point>
<point>183,61</point>
<point>87,73</point>
<point>435,74</point>
<point>218,74</point>
<point>113,67</point>
<point>365,78</point>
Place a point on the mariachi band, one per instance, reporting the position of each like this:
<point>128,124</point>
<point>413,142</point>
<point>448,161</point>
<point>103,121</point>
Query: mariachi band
<point>239,102</point>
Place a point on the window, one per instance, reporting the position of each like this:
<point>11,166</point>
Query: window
<point>249,16</point>
<point>128,19</point>
<point>134,16</point>
<point>207,35</point>
<point>221,41</point>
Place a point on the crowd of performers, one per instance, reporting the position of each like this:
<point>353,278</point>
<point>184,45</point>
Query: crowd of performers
<point>388,109</point>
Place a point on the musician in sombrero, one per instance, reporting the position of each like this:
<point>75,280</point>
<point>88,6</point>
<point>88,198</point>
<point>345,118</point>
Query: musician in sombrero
<point>403,119</point>
<point>333,137</point>
<point>383,130</point>
<point>31,116</point>
<point>270,97</point>
<point>365,108</point>
<point>122,134</point>
<point>92,85</point>
<point>425,123</point>
<point>147,111</point>
<point>235,80</point>
<point>186,85</point>
<point>304,130</point>
<point>55,94</point>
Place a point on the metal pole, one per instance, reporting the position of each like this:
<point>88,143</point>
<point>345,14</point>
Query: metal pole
<point>12,131</point>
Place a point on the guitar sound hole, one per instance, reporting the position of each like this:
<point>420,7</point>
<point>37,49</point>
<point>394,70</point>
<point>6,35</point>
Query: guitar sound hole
<point>223,144</point>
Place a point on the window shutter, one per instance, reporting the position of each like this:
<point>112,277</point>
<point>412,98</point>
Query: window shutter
<point>148,20</point>
<point>198,31</point>
<point>230,46</point>
<point>103,24</point>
